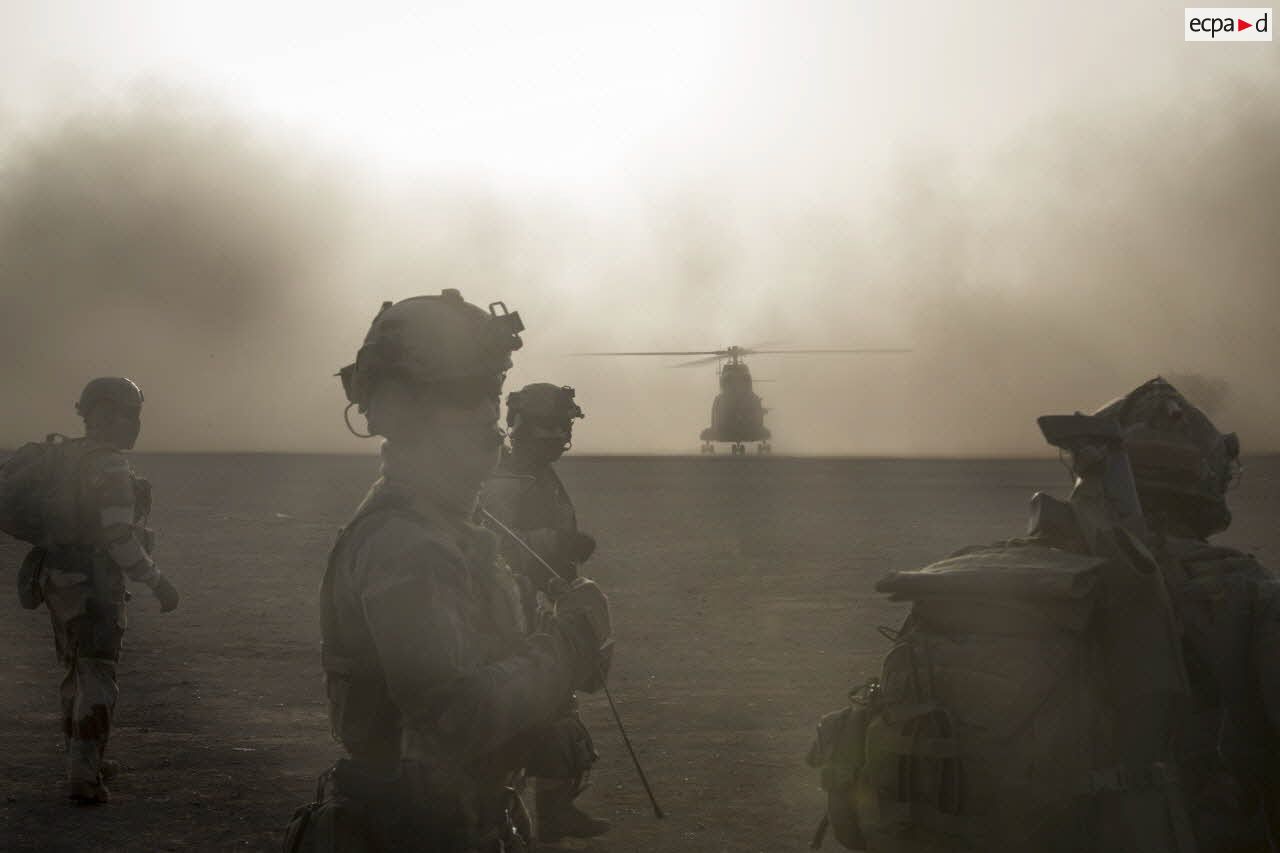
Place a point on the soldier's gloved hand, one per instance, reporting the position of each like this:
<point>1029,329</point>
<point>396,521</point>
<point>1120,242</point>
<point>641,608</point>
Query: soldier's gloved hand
<point>582,616</point>
<point>578,547</point>
<point>166,592</point>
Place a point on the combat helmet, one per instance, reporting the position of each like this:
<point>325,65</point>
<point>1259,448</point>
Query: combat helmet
<point>542,410</point>
<point>123,392</point>
<point>439,342</point>
<point>1181,463</point>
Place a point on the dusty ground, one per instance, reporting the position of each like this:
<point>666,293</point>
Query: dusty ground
<point>743,602</point>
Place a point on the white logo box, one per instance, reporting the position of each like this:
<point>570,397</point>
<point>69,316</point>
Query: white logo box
<point>1211,24</point>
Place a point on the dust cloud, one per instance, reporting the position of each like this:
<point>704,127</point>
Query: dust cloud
<point>160,239</point>
<point>231,269</point>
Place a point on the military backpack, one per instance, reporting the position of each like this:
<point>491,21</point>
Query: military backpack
<point>993,723</point>
<point>40,502</point>
<point>40,490</point>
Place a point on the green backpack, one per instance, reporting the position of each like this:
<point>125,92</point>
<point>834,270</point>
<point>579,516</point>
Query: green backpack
<point>993,724</point>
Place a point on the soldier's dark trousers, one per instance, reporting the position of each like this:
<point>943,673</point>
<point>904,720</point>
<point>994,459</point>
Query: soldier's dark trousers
<point>89,648</point>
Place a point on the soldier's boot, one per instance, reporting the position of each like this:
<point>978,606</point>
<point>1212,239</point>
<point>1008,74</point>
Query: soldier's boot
<point>559,818</point>
<point>87,771</point>
<point>88,793</point>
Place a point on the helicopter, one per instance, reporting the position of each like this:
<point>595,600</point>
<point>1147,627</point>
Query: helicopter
<point>737,413</point>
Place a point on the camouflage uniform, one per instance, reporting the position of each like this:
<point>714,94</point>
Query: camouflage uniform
<point>1228,737</point>
<point>527,496</point>
<point>1179,739</point>
<point>434,682</point>
<point>530,498</point>
<point>1228,606</point>
<point>1229,751</point>
<point>536,506</point>
<point>83,582</point>
<point>428,658</point>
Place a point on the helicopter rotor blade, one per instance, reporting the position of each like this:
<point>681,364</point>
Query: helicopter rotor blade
<point>822,351</point>
<point>709,355</point>
<point>698,362</point>
<point>710,352</point>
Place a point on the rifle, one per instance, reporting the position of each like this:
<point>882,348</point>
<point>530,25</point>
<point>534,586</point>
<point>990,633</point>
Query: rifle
<point>617,718</point>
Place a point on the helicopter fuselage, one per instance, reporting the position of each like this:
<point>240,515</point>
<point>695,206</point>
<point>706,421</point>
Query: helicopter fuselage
<point>737,418</point>
<point>737,415</point>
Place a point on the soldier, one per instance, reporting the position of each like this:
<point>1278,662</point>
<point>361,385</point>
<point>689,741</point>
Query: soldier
<point>81,571</point>
<point>433,680</point>
<point>1032,700</point>
<point>1228,606</point>
<point>1152,476</point>
<point>527,496</point>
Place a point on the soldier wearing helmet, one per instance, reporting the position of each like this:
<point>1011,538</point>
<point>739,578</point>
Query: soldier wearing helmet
<point>1229,609</point>
<point>432,678</point>
<point>1158,732</point>
<point>528,497</point>
<point>526,493</point>
<point>82,567</point>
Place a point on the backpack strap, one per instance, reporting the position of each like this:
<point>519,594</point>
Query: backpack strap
<point>65,519</point>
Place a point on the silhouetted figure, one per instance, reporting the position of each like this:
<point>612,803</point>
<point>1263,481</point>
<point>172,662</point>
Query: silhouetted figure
<point>1228,607</point>
<point>527,496</point>
<point>432,676</point>
<point>86,514</point>
<point>1109,683</point>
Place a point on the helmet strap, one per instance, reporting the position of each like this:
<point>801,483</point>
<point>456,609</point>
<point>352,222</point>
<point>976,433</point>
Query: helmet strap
<point>346,417</point>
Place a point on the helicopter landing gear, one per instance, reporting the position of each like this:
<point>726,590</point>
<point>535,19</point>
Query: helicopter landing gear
<point>708,447</point>
<point>764,447</point>
<point>739,449</point>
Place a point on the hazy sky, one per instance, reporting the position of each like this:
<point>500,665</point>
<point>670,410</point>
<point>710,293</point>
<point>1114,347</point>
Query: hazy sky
<point>1049,203</point>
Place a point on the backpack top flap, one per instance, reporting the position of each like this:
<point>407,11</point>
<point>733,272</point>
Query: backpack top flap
<point>1006,570</point>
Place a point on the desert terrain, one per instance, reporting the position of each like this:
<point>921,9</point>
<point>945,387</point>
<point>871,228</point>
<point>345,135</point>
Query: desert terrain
<point>743,602</point>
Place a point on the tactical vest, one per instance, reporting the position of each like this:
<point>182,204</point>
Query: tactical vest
<point>529,502</point>
<point>378,802</point>
<point>361,713</point>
